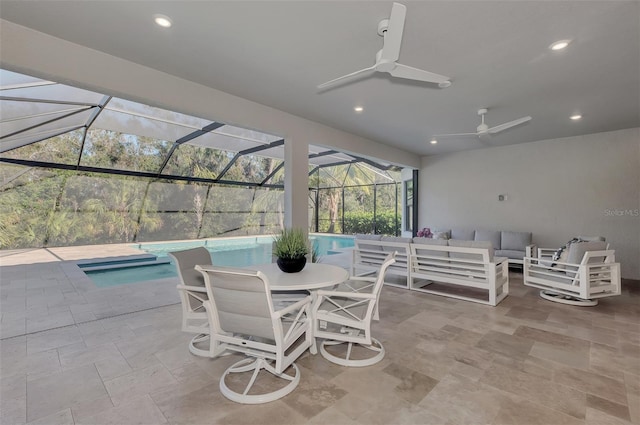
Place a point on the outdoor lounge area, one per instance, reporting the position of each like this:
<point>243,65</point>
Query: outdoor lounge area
<point>118,355</point>
<point>462,208</point>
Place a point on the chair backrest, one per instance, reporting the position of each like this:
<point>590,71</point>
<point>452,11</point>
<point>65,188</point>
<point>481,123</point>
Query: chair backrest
<point>242,300</point>
<point>187,260</point>
<point>377,288</point>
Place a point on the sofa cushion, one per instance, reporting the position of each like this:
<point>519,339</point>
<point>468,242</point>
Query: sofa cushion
<point>445,235</point>
<point>492,236</point>
<point>419,242</point>
<point>463,234</point>
<point>470,244</point>
<point>510,253</point>
<point>395,239</point>
<point>368,237</point>
<point>363,242</point>
<point>516,241</point>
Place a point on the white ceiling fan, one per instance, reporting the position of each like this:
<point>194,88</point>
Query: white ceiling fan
<point>484,131</point>
<point>391,30</point>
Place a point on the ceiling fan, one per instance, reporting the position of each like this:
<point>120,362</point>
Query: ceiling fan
<point>391,30</point>
<point>484,131</point>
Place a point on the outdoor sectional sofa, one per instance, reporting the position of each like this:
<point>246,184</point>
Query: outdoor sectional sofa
<point>466,270</point>
<point>513,245</point>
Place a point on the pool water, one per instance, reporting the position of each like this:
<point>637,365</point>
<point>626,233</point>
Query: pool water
<point>233,252</point>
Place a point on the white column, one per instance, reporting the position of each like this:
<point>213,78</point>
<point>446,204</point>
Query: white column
<point>296,183</point>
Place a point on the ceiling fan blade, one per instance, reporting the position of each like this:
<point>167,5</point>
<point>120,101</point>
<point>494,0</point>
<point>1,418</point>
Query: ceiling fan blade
<point>485,138</point>
<point>454,135</point>
<point>411,73</point>
<point>502,127</point>
<point>393,36</point>
<point>344,77</point>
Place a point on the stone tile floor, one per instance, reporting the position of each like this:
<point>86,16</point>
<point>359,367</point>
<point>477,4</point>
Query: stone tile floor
<point>74,354</point>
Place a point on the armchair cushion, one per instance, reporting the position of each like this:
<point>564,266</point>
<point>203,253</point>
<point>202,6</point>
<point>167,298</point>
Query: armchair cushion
<point>577,250</point>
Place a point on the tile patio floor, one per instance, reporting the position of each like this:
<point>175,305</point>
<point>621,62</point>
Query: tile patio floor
<point>74,354</point>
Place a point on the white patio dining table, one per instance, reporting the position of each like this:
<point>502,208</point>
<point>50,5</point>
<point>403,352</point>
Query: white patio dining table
<point>314,276</point>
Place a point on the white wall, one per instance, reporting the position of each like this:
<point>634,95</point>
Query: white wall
<point>557,189</point>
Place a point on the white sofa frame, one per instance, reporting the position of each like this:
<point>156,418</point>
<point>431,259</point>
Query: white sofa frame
<point>486,274</point>
<point>492,276</point>
<point>596,276</point>
<point>369,255</point>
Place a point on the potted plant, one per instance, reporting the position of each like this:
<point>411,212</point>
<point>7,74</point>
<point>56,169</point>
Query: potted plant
<point>291,247</point>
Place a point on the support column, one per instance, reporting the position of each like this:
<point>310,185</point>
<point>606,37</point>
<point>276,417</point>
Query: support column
<point>296,183</point>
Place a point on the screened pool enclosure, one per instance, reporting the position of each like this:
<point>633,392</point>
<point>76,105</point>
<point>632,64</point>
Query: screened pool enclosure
<point>80,167</point>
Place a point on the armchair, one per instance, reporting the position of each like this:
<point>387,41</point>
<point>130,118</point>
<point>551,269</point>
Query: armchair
<point>243,319</point>
<point>343,316</point>
<point>584,273</point>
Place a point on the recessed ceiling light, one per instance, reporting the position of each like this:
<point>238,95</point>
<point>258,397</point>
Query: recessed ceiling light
<point>358,109</point>
<point>559,45</point>
<point>433,142</point>
<point>576,117</point>
<point>162,20</point>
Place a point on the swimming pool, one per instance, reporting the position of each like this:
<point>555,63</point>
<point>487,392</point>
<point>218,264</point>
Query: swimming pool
<point>234,252</point>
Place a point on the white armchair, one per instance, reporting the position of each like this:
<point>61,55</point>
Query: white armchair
<point>243,319</point>
<point>343,318</point>
<point>586,272</point>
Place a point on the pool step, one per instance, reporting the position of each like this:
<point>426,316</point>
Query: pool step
<point>121,262</point>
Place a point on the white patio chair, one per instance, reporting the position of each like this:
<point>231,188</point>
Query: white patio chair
<point>586,272</point>
<point>242,317</point>
<point>343,318</point>
<point>192,295</point>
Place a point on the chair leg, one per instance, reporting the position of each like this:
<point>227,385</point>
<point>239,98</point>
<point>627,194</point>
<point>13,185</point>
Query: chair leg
<point>567,299</point>
<point>255,365</point>
<point>376,347</point>
<point>213,348</point>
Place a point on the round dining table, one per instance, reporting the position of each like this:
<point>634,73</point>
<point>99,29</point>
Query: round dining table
<point>314,276</point>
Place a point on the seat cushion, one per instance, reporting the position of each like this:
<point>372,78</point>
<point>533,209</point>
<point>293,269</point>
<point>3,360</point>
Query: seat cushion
<point>463,234</point>
<point>492,236</point>
<point>516,241</point>
<point>510,253</point>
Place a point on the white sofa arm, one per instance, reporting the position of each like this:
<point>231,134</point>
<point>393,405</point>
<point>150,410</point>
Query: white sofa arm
<point>530,250</point>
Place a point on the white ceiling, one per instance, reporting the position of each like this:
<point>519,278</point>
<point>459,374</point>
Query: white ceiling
<point>276,53</point>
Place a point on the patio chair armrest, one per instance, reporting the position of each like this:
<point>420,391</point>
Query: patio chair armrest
<point>201,289</point>
<point>353,295</point>
<point>362,279</point>
<point>293,307</point>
